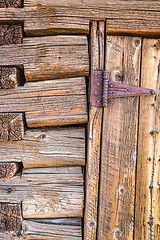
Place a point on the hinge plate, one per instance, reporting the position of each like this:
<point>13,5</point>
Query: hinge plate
<point>102,89</point>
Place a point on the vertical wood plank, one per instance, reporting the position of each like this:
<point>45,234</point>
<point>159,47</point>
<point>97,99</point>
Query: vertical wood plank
<point>119,143</point>
<point>94,137</point>
<point>147,207</point>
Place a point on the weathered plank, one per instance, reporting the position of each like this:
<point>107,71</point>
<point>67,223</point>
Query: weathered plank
<point>48,103</point>
<point>94,137</point>
<point>48,229</point>
<point>46,148</point>
<point>10,215</point>
<point>11,126</point>
<point>48,57</point>
<point>119,142</point>
<point>47,17</point>
<point>8,169</point>
<point>147,207</point>
<point>69,229</point>
<point>46,193</point>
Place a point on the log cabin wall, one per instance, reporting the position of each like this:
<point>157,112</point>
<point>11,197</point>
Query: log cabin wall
<point>69,170</point>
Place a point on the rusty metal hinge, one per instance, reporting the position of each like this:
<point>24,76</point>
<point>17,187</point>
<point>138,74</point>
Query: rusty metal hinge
<point>102,89</point>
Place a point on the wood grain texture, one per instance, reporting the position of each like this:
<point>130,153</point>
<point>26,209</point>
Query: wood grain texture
<point>119,143</point>
<point>8,169</point>
<point>57,102</point>
<point>48,229</point>
<point>11,3</point>
<point>48,57</point>
<point>58,229</point>
<point>10,215</point>
<point>11,126</point>
<point>46,147</point>
<point>49,17</point>
<point>10,77</point>
<point>94,137</point>
<point>46,193</point>
<point>147,207</point>
<point>10,34</point>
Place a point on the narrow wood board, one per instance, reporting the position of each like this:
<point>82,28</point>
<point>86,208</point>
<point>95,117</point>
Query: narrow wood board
<point>48,229</point>
<point>49,17</point>
<point>46,147</point>
<point>94,137</point>
<point>46,192</point>
<point>147,207</point>
<point>119,143</point>
<point>54,102</point>
<point>48,57</point>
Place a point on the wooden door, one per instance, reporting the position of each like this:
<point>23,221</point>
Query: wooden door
<point>57,152</point>
<point>122,182</point>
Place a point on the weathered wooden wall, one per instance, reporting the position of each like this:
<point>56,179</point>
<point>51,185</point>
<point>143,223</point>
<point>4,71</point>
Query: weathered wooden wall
<point>41,178</point>
<point>43,65</point>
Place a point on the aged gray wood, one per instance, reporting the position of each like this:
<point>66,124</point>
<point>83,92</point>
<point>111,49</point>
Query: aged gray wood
<point>46,147</point>
<point>46,193</point>
<point>48,229</point>
<point>55,102</point>
<point>48,57</point>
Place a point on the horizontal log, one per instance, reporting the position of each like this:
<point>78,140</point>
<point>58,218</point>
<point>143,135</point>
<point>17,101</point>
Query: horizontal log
<point>48,229</point>
<point>48,17</point>
<point>48,57</point>
<point>48,103</point>
<point>55,193</point>
<point>46,148</point>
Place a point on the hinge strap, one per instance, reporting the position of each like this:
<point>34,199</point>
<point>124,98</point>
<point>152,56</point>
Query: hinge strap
<point>102,89</point>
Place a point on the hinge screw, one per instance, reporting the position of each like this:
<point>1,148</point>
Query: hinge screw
<point>96,74</point>
<point>95,93</point>
<point>98,84</point>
